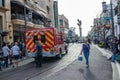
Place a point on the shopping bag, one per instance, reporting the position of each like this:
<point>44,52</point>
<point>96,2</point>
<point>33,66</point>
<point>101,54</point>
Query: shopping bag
<point>80,57</point>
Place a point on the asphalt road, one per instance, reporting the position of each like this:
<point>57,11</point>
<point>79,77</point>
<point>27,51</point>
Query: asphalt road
<point>100,69</point>
<point>67,68</point>
<point>50,65</point>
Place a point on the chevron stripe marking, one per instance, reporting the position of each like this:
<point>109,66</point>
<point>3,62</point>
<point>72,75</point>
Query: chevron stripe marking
<point>49,40</point>
<point>30,41</point>
<point>51,36</point>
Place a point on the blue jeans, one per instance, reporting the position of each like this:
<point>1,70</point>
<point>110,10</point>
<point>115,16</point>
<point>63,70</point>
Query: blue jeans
<point>86,54</point>
<point>39,61</point>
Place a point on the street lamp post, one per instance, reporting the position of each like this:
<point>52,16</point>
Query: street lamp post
<point>80,29</point>
<point>112,24</point>
<point>112,20</point>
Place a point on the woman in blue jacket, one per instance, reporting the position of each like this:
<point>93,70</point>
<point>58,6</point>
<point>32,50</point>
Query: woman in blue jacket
<point>86,51</point>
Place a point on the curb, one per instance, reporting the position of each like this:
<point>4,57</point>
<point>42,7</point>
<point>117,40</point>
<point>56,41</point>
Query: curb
<point>118,67</point>
<point>21,63</point>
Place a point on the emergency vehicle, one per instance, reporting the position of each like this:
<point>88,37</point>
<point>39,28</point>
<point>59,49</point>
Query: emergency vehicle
<point>52,41</point>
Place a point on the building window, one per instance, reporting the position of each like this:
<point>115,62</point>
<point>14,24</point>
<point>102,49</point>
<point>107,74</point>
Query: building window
<point>61,22</point>
<point>1,23</point>
<point>1,3</point>
<point>43,38</point>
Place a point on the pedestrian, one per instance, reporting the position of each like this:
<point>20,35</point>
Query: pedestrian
<point>23,49</point>
<point>20,46</point>
<point>38,54</point>
<point>15,52</point>
<point>115,55</point>
<point>86,51</point>
<point>6,52</point>
<point>10,55</point>
<point>115,42</point>
<point>89,41</point>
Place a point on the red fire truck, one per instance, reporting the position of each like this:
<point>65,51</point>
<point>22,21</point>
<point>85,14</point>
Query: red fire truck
<point>52,41</point>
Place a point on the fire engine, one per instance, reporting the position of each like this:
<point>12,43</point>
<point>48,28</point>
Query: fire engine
<point>52,41</point>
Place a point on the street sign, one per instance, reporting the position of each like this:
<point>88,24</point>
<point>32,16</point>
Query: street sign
<point>107,22</point>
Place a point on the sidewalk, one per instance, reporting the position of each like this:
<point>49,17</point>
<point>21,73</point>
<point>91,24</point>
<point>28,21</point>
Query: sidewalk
<point>22,62</point>
<point>115,66</point>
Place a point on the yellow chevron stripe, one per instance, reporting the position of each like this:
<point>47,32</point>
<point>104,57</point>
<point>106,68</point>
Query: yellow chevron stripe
<point>51,31</point>
<point>48,49</point>
<point>30,41</point>
<point>51,41</point>
<point>41,33</point>
<point>32,44</point>
<point>51,36</point>
<point>32,49</point>
<point>26,34</point>
<point>48,44</point>
<point>31,34</point>
<point>38,36</point>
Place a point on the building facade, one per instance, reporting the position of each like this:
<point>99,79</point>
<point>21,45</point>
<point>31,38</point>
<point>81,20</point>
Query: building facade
<point>16,16</point>
<point>27,14</point>
<point>56,19</point>
<point>64,25</point>
<point>5,22</point>
<point>48,6</point>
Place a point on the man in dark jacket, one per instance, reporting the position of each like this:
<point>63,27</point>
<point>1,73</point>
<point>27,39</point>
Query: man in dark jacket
<point>39,54</point>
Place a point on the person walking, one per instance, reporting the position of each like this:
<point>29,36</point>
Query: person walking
<point>86,51</point>
<point>15,52</point>
<point>6,52</point>
<point>115,42</point>
<point>10,55</point>
<point>39,54</point>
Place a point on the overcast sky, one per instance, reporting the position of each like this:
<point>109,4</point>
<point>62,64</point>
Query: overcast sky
<point>85,10</point>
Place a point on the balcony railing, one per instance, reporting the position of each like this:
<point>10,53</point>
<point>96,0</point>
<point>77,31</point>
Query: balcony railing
<point>22,17</point>
<point>17,16</point>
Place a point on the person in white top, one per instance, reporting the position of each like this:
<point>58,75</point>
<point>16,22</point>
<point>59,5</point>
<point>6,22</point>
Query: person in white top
<point>15,52</point>
<point>5,51</point>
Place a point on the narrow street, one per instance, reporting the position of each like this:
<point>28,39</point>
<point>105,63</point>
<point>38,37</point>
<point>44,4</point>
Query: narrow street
<point>100,69</point>
<point>67,68</point>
